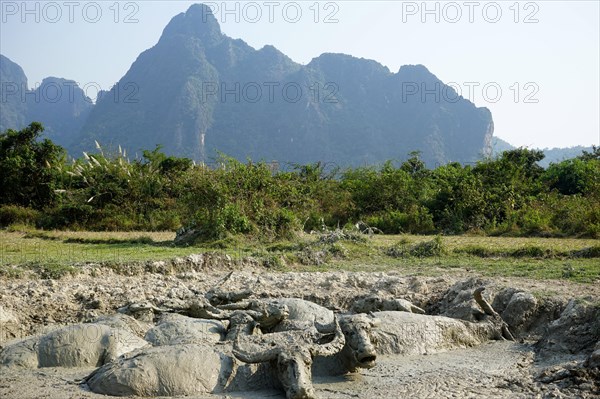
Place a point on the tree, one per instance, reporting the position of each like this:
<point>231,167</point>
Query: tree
<point>169,165</point>
<point>30,169</point>
<point>588,156</point>
<point>574,176</point>
<point>509,181</point>
<point>414,165</point>
<point>458,203</point>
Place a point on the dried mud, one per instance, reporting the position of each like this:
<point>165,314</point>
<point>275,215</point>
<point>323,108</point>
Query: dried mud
<point>537,365</point>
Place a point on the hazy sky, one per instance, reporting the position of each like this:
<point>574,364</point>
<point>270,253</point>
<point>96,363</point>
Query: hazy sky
<point>536,65</point>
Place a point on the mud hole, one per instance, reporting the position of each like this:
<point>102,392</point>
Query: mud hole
<point>556,325</point>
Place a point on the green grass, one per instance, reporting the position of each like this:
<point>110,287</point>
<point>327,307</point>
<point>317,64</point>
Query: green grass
<point>52,254</point>
<point>76,247</point>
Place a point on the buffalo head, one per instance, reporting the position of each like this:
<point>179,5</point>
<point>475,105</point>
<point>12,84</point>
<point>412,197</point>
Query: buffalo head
<point>292,353</point>
<point>359,350</point>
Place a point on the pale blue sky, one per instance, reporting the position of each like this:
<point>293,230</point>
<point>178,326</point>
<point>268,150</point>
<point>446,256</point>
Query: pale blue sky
<point>554,59</point>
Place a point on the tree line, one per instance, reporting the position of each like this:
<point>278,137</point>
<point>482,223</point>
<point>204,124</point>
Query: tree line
<point>506,195</point>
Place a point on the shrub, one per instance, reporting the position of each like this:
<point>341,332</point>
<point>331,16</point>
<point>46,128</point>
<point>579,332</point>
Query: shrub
<point>417,220</point>
<point>589,252</point>
<point>536,221</point>
<point>573,176</point>
<point>477,250</point>
<point>423,249</point>
<point>333,236</point>
<point>163,220</point>
<point>389,222</point>
<point>14,214</point>
<point>434,247</point>
<point>399,249</point>
<point>30,168</point>
<point>509,195</point>
<point>532,251</point>
<point>281,224</point>
<point>576,215</point>
<point>69,215</point>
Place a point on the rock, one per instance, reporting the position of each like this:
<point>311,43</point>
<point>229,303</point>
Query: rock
<point>64,115</point>
<point>176,114</point>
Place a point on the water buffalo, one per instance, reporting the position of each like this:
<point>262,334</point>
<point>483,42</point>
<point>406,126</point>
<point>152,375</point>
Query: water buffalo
<point>291,353</point>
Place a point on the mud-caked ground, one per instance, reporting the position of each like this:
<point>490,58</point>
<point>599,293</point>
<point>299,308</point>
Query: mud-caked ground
<point>556,325</point>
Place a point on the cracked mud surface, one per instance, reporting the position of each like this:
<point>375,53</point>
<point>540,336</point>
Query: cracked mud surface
<point>498,369</point>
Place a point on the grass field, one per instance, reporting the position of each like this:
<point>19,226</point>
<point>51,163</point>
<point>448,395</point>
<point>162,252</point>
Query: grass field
<point>540,258</point>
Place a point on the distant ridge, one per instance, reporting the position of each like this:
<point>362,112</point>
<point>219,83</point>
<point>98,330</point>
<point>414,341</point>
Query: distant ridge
<point>552,155</point>
<point>60,104</point>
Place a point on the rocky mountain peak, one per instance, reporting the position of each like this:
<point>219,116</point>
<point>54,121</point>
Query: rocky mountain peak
<point>199,22</point>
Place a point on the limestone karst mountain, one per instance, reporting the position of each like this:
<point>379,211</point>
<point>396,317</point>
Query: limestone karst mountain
<point>13,110</point>
<point>198,92</point>
<point>60,104</point>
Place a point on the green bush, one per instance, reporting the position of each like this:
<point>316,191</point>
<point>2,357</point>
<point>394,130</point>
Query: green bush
<point>389,222</point>
<point>507,195</point>
<point>573,176</point>
<point>576,215</point>
<point>532,251</point>
<point>589,252</point>
<point>422,249</point>
<point>417,220</point>
<point>536,221</point>
<point>30,168</point>
<point>283,224</point>
<point>477,250</point>
<point>14,214</point>
<point>70,215</point>
<point>162,220</point>
<point>399,249</point>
